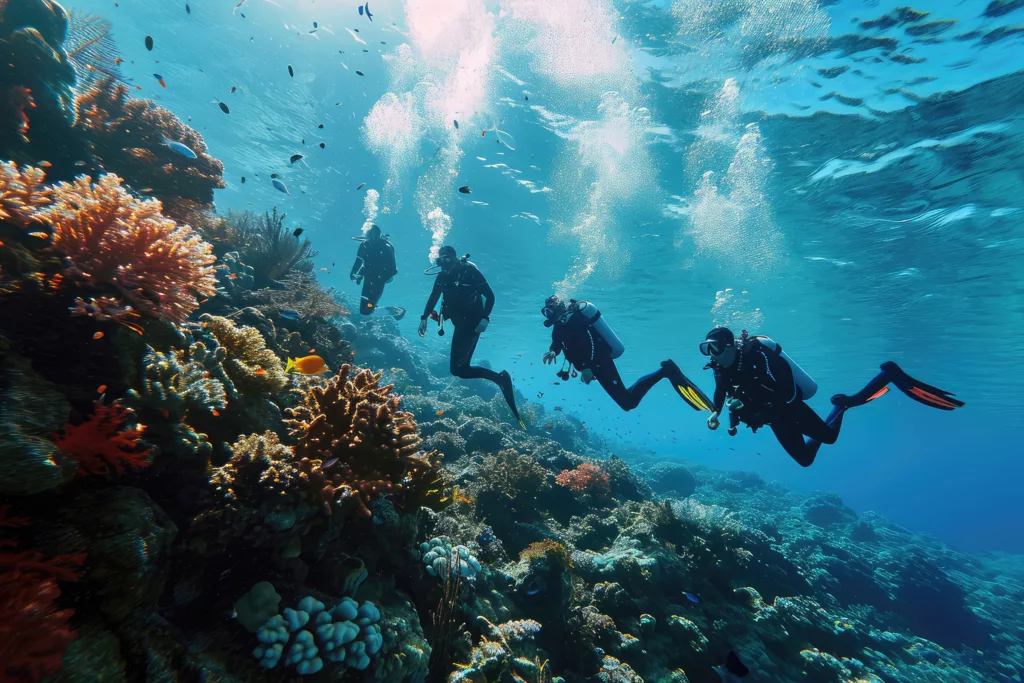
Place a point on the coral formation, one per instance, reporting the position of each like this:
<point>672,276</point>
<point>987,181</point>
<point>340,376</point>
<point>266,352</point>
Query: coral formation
<point>352,436</point>
<point>440,558</point>
<point>106,443</point>
<point>252,367</point>
<point>112,238</point>
<point>270,247</point>
<point>586,478</point>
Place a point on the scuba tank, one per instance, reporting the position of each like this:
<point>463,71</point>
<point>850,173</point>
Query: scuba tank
<point>808,387</point>
<point>599,325</point>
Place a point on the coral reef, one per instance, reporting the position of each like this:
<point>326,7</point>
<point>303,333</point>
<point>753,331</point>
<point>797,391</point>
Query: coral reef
<point>105,443</point>
<point>112,238</point>
<point>270,247</point>
<point>351,435</point>
<point>252,367</point>
<point>587,478</point>
<point>440,558</point>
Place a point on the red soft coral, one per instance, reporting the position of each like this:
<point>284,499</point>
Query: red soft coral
<point>33,632</point>
<point>101,445</point>
<point>110,237</point>
<point>586,478</point>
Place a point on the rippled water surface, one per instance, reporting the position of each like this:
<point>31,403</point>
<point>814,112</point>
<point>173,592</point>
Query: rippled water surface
<point>844,176</point>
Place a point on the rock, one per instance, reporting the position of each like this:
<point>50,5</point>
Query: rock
<point>671,479</point>
<point>827,509</point>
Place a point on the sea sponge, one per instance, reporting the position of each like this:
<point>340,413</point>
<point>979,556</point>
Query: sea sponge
<point>352,437</point>
<point>112,238</point>
<point>128,137</point>
<point>252,367</point>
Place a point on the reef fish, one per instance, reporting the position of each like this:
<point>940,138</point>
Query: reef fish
<point>289,315</point>
<point>160,80</point>
<point>291,71</point>
<point>360,186</point>
<point>224,108</point>
<point>297,232</point>
<point>188,10</point>
<point>456,123</point>
<point>693,597</point>
<point>183,150</point>
<point>295,157</point>
<point>149,43</point>
<point>465,189</point>
<point>281,187</point>
<point>308,365</point>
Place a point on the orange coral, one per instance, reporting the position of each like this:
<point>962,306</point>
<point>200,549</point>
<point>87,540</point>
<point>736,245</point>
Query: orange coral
<point>33,632</point>
<point>101,445</point>
<point>21,193</point>
<point>586,478</point>
<point>128,137</point>
<point>111,237</point>
<point>352,441</point>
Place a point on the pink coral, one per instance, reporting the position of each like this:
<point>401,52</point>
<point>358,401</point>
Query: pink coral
<point>110,237</point>
<point>586,478</point>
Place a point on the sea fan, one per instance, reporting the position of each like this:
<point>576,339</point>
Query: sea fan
<point>90,48</point>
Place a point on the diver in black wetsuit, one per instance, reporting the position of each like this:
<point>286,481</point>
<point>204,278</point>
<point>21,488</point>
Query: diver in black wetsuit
<point>374,267</point>
<point>591,347</point>
<point>763,389</point>
<point>468,301</point>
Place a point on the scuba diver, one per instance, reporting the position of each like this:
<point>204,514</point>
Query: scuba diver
<point>591,347</point>
<point>766,387</point>
<point>374,267</point>
<point>468,301</point>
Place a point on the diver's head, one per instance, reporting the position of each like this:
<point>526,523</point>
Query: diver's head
<point>446,258</point>
<point>374,232</point>
<point>554,308</point>
<point>720,346</point>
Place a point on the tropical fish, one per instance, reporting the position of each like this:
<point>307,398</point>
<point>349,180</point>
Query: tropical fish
<point>360,73</point>
<point>188,10</point>
<point>456,124</point>
<point>368,15</point>
<point>323,145</point>
<point>308,365</point>
<point>273,175</point>
<point>693,597</point>
<point>320,126</point>
<point>289,314</point>
<point>233,89</point>
<point>149,43</point>
<point>179,148</point>
<point>98,335</point>
<point>295,157</point>
<point>360,186</point>
<point>160,80</point>
<point>439,413</point>
<point>224,108</point>
<point>465,189</point>
<point>297,232</point>
<point>243,180</point>
<point>281,187</point>
<point>260,372</point>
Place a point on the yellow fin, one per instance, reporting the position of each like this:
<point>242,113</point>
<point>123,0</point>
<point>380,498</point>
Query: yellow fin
<point>290,366</point>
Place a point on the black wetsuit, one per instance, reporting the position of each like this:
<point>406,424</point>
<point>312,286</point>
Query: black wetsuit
<point>763,381</point>
<point>588,351</point>
<point>468,299</point>
<point>375,263</point>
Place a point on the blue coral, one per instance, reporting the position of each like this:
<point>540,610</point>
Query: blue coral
<point>439,552</point>
<point>307,636</point>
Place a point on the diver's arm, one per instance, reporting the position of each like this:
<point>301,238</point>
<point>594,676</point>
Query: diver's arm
<point>435,294</point>
<point>720,389</point>
<point>487,293</point>
<point>392,264</point>
<point>360,261</point>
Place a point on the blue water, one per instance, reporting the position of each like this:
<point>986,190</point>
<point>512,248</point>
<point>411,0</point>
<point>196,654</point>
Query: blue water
<point>864,200</point>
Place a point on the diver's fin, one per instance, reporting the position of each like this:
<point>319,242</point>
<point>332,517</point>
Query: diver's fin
<point>919,391</point>
<point>510,398</point>
<point>878,394</point>
<point>690,392</point>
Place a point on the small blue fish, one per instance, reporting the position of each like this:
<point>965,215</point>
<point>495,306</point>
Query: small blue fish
<point>178,148</point>
<point>281,187</point>
<point>289,315</point>
<point>693,597</point>
<point>456,124</point>
<point>360,10</point>
<point>368,15</point>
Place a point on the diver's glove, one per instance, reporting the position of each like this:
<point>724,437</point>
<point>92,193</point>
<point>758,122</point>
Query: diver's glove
<point>481,326</point>
<point>587,376</point>
<point>713,422</point>
<point>422,329</point>
<point>550,357</point>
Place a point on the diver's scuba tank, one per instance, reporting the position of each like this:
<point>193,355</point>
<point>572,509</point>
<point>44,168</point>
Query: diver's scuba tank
<point>808,387</point>
<point>599,325</point>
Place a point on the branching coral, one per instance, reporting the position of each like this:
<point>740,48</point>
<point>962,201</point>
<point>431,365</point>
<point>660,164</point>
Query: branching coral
<point>352,437</point>
<point>33,632</point>
<point>511,474</point>
<point>252,367</point>
<point>21,194</point>
<point>177,387</point>
<point>506,652</point>
<point>271,247</point>
<point>128,137</point>
<point>112,238</point>
<point>586,478</point>
<point>103,445</point>
<point>304,295</point>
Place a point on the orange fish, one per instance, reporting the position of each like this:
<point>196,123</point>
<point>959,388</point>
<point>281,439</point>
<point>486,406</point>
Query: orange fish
<point>45,164</point>
<point>439,413</point>
<point>308,365</point>
<point>260,372</point>
<point>312,351</point>
<point>216,413</point>
<point>101,389</point>
<point>98,335</point>
<point>549,425</point>
<point>40,235</point>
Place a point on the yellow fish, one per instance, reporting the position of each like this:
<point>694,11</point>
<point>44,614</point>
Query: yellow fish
<point>308,365</point>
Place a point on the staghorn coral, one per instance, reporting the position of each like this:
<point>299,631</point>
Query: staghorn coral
<point>127,136</point>
<point>252,367</point>
<point>22,194</point>
<point>270,247</point>
<point>102,444</point>
<point>112,238</point>
<point>352,437</point>
<point>506,652</point>
<point>586,478</point>
<point>34,632</point>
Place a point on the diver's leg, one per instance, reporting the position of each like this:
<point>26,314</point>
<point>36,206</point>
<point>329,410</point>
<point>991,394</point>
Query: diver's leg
<point>790,438</point>
<point>608,377</point>
<point>373,288</point>
<point>464,341</point>
<point>915,389</point>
